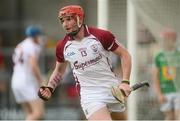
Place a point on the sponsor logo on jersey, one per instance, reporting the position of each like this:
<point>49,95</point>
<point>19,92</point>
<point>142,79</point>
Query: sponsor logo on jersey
<point>88,63</point>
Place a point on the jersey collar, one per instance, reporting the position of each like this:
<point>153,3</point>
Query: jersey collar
<point>86,31</point>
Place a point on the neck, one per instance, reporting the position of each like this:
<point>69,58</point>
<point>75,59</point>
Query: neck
<point>169,47</point>
<point>35,40</point>
<point>80,34</point>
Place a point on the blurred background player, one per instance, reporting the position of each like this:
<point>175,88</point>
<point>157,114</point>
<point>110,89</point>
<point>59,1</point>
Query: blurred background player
<point>165,73</point>
<point>87,50</point>
<point>27,77</point>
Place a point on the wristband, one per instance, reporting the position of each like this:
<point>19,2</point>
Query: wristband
<point>126,81</point>
<point>51,89</point>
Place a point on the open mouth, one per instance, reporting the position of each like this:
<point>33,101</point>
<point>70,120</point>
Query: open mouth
<point>68,29</point>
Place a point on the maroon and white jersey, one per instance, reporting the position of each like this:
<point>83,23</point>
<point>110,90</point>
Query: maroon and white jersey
<point>89,58</point>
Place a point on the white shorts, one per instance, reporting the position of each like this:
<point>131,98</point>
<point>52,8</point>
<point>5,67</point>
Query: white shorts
<point>24,89</point>
<point>173,102</point>
<point>95,98</point>
<point>90,108</point>
<point>25,94</point>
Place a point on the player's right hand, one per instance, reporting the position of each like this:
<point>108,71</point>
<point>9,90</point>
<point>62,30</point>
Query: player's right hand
<point>125,89</point>
<point>45,92</point>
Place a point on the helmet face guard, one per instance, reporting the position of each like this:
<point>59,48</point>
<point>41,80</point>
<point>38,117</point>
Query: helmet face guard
<point>76,12</point>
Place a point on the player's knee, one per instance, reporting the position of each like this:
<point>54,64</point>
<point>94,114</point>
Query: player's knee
<point>39,115</point>
<point>35,116</point>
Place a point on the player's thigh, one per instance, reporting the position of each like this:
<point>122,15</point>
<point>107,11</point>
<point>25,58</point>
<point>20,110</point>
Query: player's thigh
<point>119,115</point>
<point>118,111</point>
<point>101,114</point>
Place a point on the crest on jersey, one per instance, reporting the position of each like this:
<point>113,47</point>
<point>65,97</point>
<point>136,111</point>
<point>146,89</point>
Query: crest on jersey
<point>94,47</point>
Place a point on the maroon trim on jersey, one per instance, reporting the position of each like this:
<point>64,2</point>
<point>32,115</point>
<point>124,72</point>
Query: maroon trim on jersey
<point>109,64</point>
<point>60,49</point>
<point>108,61</point>
<point>106,38</point>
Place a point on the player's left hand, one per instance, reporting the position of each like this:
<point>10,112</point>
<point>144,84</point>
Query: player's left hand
<point>125,88</point>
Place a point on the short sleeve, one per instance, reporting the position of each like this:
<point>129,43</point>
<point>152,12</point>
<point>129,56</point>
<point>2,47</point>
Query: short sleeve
<point>59,52</point>
<point>106,38</point>
<point>109,41</point>
<point>156,59</point>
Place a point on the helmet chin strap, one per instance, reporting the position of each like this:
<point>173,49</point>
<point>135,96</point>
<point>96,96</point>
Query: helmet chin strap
<point>75,32</point>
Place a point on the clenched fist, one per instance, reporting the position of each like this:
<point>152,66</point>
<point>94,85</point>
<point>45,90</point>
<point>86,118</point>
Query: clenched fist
<point>45,92</point>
